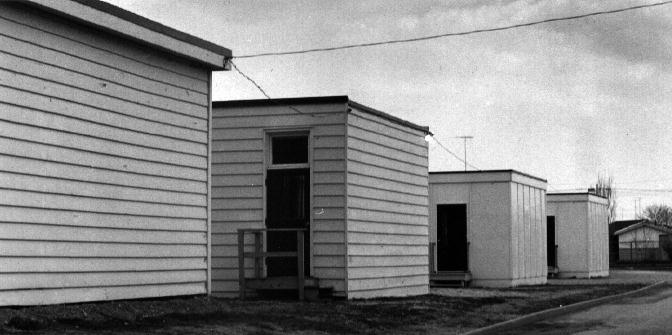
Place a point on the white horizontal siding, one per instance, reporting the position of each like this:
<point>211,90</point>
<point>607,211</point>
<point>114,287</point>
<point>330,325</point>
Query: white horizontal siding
<point>103,165</point>
<point>238,191</point>
<point>387,208</point>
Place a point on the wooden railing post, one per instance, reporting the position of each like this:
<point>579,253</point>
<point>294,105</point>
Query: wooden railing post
<point>299,255</point>
<point>431,258</point>
<point>257,255</point>
<point>241,264</point>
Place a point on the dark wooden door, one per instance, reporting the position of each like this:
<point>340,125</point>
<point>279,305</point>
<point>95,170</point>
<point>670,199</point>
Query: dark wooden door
<point>551,257</point>
<point>287,206</point>
<point>451,238</point>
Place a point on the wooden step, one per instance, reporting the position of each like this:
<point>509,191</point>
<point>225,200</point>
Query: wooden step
<point>280,283</point>
<point>450,278</point>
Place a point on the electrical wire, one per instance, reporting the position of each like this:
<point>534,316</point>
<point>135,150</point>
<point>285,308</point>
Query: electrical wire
<point>453,154</point>
<point>463,33</point>
<point>261,89</point>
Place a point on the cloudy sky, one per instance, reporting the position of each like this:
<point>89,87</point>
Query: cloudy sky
<point>563,101</point>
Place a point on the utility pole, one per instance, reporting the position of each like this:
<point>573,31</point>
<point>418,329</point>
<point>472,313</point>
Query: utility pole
<point>465,138</point>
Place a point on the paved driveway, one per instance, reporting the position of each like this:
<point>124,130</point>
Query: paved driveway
<point>647,314</point>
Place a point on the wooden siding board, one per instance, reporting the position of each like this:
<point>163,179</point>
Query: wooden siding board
<point>94,85</point>
<point>95,249</point>
<point>75,265</point>
<point>85,173</point>
<point>66,92</point>
<point>89,219</point>
<point>73,295</point>
<point>41,232</point>
<point>54,122</point>
<point>85,189</point>
<point>100,115</point>
<point>72,140</point>
<point>18,281</point>
<point>67,202</point>
<point>107,73</point>
<point>36,150</point>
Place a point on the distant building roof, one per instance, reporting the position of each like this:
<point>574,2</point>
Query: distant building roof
<point>121,22</point>
<point>618,225</point>
<point>318,100</point>
<point>643,224</point>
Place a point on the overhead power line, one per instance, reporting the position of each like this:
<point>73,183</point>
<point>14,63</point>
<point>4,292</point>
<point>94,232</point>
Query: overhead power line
<point>462,33</point>
<point>453,154</point>
<point>261,89</point>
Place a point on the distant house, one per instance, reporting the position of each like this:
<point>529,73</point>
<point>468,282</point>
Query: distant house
<point>640,242</point>
<point>487,227</point>
<point>613,239</point>
<point>104,143</point>
<point>351,179</point>
<point>577,234</point>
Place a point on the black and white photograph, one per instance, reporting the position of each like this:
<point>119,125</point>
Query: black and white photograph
<point>335,167</point>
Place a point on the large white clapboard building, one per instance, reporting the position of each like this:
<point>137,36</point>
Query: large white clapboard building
<point>354,178</point>
<point>104,154</point>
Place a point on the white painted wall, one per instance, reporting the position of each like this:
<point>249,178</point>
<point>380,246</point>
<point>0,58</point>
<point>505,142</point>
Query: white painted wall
<point>505,217</point>
<point>581,234</point>
<point>387,208</point>
<point>103,165</point>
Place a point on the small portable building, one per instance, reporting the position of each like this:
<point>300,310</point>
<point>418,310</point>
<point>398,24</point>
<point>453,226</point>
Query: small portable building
<point>104,154</point>
<point>487,227</point>
<point>641,242</point>
<point>578,235</point>
<point>352,179</point>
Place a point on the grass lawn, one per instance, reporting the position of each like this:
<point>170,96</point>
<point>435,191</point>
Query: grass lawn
<point>444,311</point>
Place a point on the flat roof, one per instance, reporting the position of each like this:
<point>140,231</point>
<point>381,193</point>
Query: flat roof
<point>576,193</point>
<point>332,99</point>
<point>70,9</point>
<point>489,171</point>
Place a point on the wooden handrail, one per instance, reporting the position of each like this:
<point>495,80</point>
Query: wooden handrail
<point>258,255</point>
<point>432,250</point>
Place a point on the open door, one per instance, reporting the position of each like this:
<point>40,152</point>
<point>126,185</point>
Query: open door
<point>551,257</point>
<point>287,206</point>
<point>451,238</point>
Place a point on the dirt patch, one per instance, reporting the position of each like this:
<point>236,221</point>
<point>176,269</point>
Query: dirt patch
<point>203,315</point>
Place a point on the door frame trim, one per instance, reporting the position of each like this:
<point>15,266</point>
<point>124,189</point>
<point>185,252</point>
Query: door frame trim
<point>269,133</point>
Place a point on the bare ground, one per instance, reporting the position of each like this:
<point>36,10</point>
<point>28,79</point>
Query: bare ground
<point>444,311</point>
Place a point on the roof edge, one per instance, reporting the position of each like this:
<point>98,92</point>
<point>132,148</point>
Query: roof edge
<point>643,224</point>
<point>491,171</point>
<point>59,8</point>
<point>327,99</point>
<point>318,100</point>
<point>389,117</point>
<point>155,26</point>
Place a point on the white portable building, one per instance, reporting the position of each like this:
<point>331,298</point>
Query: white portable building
<point>487,227</point>
<point>104,154</point>
<point>352,178</point>
<point>578,235</point>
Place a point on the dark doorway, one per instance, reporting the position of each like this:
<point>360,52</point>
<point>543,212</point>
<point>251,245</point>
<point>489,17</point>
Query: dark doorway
<point>287,206</point>
<point>551,255</point>
<point>451,238</point>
